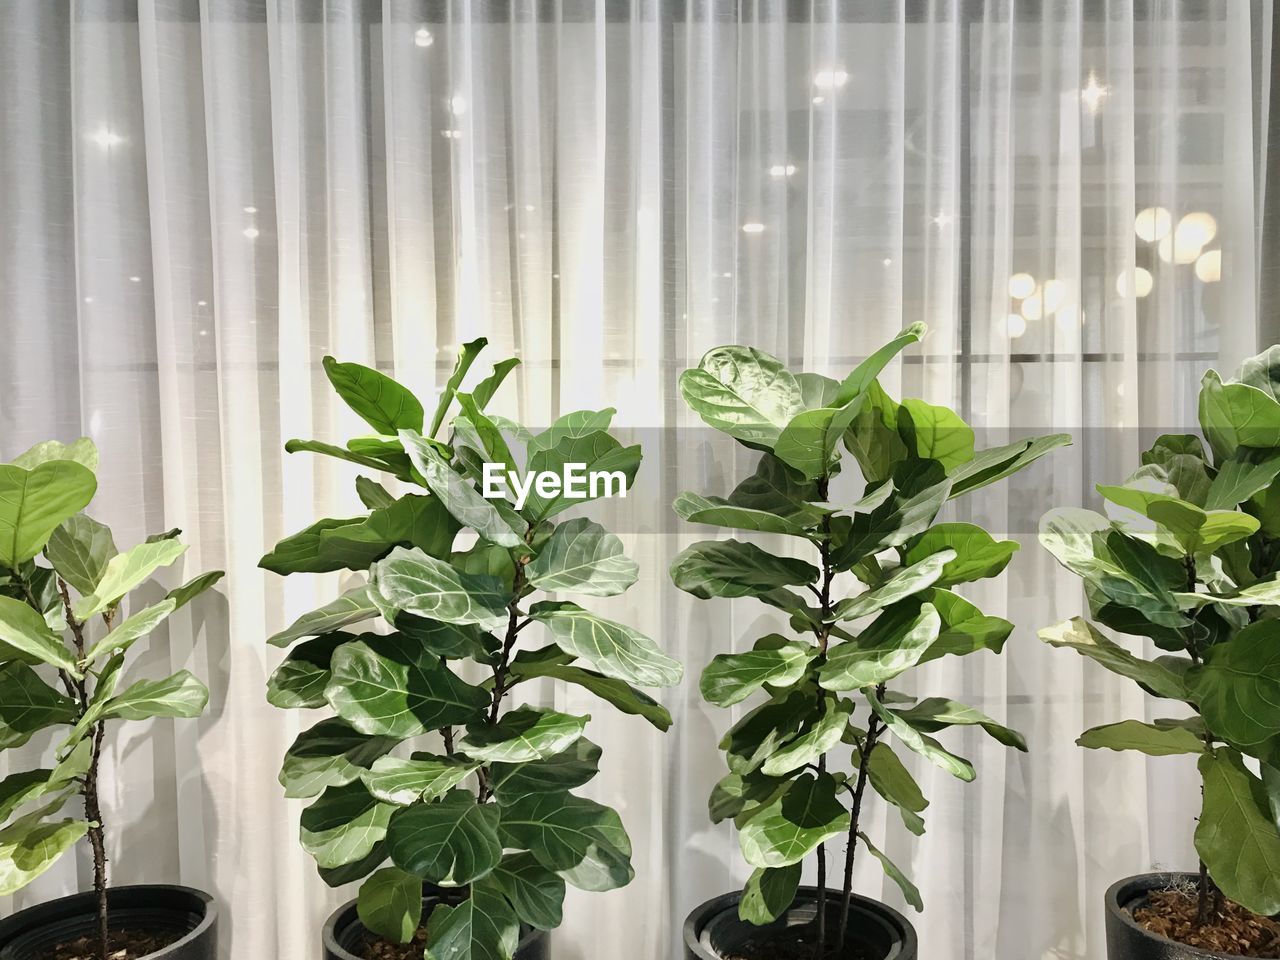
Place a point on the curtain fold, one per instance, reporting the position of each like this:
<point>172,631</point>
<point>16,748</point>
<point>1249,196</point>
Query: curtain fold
<point>202,199</point>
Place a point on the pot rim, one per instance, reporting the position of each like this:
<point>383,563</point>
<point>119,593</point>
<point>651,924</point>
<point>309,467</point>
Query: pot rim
<point>329,932</point>
<point>701,914</point>
<point>1140,884</point>
<point>35,913</point>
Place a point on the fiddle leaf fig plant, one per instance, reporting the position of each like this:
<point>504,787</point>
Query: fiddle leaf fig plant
<point>872,596</point>
<point>422,770</point>
<point>67,624</point>
<point>1189,559</point>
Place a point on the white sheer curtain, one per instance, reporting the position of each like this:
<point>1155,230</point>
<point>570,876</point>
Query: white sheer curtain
<point>200,200</point>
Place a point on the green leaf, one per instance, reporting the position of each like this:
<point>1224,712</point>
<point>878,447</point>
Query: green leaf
<point>935,433</point>
<point>1237,414</point>
<point>381,402</point>
<point>891,779</point>
<point>414,582</point>
<point>453,841</point>
<point>396,464</point>
<point>920,743</point>
<point>579,423</point>
<point>390,686</point>
<point>903,583</point>
<point>873,437</point>
<point>866,372</point>
<point>717,512</point>
<point>774,488</point>
<point>978,554</point>
<point>919,491</point>
<point>344,825</point>
<point>582,556</point>
<point>180,695</point>
<point>30,847</point>
<point>809,441</point>
<point>424,777</point>
<point>81,451</point>
<point>184,594</point>
<point>535,892</point>
<point>356,869</point>
<point>1238,685</point>
<point>965,629</point>
<point>300,680</point>
<point>1079,635</point>
<point>486,388</point>
<point>1248,472</point>
<point>733,568</point>
<point>577,838</point>
<point>732,677</point>
<point>1192,528</point>
<point>817,735</point>
<point>615,649</point>
<point>126,571</point>
<point>352,607</point>
<point>734,793</point>
<point>330,754</point>
<point>619,693</point>
<point>937,713</point>
<point>482,927</point>
<point>1161,739</point>
<point>492,445</point>
<point>790,827</point>
<point>572,768</point>
<point>894,642</point>
<point>459,497</point>
<point>129,631</point>
<point>1236,837</point>
<point>760,733</point>
<point>372,494</point>
<point>27,703</point>
<point>891,871</point>
<point>23,787</point>
<point>24,631</point>
<point>34,502</point>
<point>449,640</point>
<point>769,892</point>
<point>743,392</point>
<point>996,463</point>
<point>466,357</point>
<point>597,455</point>
<point>79,550</point>
<point>390,904</point>
<point>522,735</point>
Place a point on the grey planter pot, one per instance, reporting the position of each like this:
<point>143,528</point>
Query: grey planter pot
<point>1128,940</point>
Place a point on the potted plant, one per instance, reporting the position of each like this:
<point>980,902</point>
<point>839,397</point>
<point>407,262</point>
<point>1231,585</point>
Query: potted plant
<point>1190,562</point>
<point>65,636</point>
<point>453,806</point>
<point>828,726</point>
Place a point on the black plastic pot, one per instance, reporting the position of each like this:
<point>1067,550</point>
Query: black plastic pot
<point>343,931</point>
<point>1128,940</point>
<point>189,914</point>
<point>713,930</point>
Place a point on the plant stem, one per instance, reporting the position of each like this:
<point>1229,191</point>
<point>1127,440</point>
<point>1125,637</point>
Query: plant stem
<point>1202,906</point>
<point>823,634</point>
<point>874,727</point>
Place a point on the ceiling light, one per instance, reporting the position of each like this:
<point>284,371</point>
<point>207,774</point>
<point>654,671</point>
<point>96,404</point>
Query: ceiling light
<point>753,227</point>
<point>830,79</point>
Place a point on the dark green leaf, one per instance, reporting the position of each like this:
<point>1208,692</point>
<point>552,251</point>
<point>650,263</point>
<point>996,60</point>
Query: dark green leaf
<point>790,827</point>
<point>733,568</point>
<point>769,892</point>
<point>522,735</point>
<point>423,777</point>
<point>583,557</point>
<point>732,677</point>
<point>344,825</point>
<point>330,754</point>
<point>1160,739</point>
<point>572,768</point>
<point>579,839</point>
<point>1238,686</point>
<point>79,550</point>
<point>535,892</point>
<point>453,841</point>
<point>381,402</point>
<point>616,650</point>
<point>425,586</point>
<point>1237,837</point>
<point>390,904</point>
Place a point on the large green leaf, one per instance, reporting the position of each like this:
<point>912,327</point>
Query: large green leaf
<point>572,768</point>
<point>873,437</point>
<point>81,451</point>
<point>790,827</point>
<point>1079,635</point>
<point>466,357</point>
<point>890,778</point>
<point>197,585</point>
<point>718,512</point>
<point>397,463</point>
<point>735,793</point>
<point>935,433</point>
<point>453,841</point>
<point>733,568</point>
<point>1163,738</point>
<point>352,607</point>
<point>23,631</point>
<point>423,777</point>
<point>732,677</point>
<point>893,643</point>
<point>1248,472</point>
<point>179,695</point>
<point>34,502</point>
<point>486,388</point>
<point>1191,527</point>
<point>79,550</point>
<point>918,493</point>
<point>485,436</point>
<point>760,733</point>
<point>1237,414</point>
<point>577,838</point>
<point>390,686</point>
<point>330,754</point>
<point>902,583</point>
<point>344,825</point>
<point>29,847</point>
<point>818,734</point>
<point>582,557</point>
<point>578,423</point>
<point>809,441</point>
<point>522,735</point>
<point>129,631</point>
<point>381,402</point>
<point>597,457</point>
<point>1238,685</point>
<point>482,927</point>
<point>619,693</point>
<point>978,554</point>
<point>965,629</point>
<point>126,571</point>
<point>535,892</point>
<point>459,497</point>
<point>27,703</point>
<point>615,649</point>
<point>425,586</point>
<point>777,489</point>
<point>996,463</point>
<point>919,742</point>
<point>390,904</point>
<point>891,870</point>
<point>743,392</point>
<point>300,680</point>
<point>769,892</point>
<point>937,713</point>
<point>862,376</point>
<point>1237,838</point>
<point>1262,371</point>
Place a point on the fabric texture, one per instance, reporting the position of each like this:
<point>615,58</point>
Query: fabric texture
<point>200,200</point>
